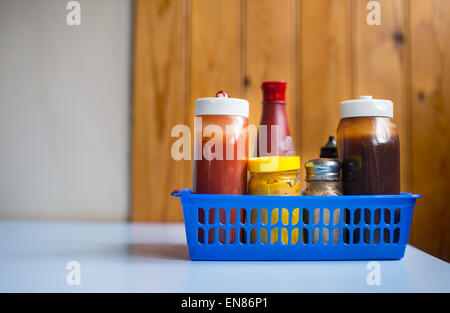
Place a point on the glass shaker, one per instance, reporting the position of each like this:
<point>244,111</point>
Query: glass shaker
<point>323,179</point>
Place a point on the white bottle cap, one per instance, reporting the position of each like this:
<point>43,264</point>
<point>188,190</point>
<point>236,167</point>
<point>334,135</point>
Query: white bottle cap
<point>221,105</point>
<point>367,106</point>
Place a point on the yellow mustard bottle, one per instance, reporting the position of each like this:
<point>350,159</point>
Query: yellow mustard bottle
<point>275,176</point>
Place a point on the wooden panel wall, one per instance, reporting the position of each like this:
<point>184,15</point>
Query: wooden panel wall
<point>430,124</point>
<point>269,53</point>
<point>380,65</point>
<point>325,50</point>
<point>161,85</point>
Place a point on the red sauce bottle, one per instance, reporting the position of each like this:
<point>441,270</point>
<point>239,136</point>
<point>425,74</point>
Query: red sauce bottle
<point>274,113</point>
<point>220,145</point>
<point>220,157</point>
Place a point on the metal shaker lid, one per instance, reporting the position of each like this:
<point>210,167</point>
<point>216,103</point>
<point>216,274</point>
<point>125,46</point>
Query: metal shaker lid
<point>322,169</point>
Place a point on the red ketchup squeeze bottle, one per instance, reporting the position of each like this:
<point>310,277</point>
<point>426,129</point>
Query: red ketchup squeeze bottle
<point>274,113</point>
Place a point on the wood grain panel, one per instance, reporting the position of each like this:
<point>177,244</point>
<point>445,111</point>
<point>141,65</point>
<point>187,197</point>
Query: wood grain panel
<point>270,54</point>
<point>381,66</point>
<point>430,79</point>
<point>160,102</point>
<point>324,49</point>
<point>215,53</point>
<point>325,71</point>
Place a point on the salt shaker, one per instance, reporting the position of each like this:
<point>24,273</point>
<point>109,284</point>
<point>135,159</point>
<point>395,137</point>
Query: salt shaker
<point>323,179</point>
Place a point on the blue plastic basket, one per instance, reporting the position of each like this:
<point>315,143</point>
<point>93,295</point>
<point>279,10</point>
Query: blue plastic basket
<point>232,227</point>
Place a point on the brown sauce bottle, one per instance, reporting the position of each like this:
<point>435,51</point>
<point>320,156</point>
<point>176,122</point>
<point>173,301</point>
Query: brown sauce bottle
<point>368,147</point>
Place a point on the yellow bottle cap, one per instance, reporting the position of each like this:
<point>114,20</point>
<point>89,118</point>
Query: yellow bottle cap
<point>273,164</point>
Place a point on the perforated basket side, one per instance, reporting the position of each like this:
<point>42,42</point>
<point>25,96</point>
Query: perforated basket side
<point>223,227</point>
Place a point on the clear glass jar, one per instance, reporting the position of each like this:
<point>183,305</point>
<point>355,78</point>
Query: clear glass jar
<point>368,147</point>
<point>323,188</point>
<point>224,175</point>
<point>286,183</point>
<point>220,150</point>
<point>220,145</point>
<point>323,178</point>
<point>275,176</point>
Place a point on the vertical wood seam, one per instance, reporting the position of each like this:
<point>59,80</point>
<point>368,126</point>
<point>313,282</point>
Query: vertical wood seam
<point>187,53</point>
<point>243,49</point>
<point>133,185</point>
<point>298,77</point>
<point>187,76</point>
<point>353,34</point>
<point>408,92</point>
<point>131,114</point>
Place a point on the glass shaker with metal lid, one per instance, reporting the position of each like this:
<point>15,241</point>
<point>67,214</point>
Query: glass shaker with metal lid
<point>323,177</point>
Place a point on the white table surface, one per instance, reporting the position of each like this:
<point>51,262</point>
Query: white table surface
<point>126,257</point>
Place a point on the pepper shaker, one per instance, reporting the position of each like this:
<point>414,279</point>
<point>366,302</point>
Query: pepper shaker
<point>323,179</point>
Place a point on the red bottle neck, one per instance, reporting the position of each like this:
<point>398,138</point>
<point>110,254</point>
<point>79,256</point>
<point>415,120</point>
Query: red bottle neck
<point>274,113</point>
<point>273,102</point>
